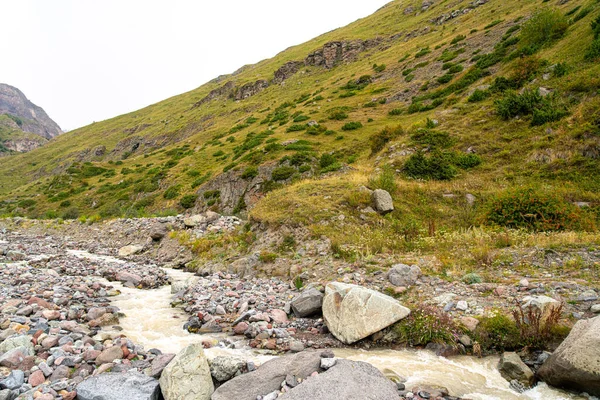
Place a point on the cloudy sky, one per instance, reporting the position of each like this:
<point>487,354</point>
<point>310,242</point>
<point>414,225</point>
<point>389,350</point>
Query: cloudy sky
<point>89,60</point>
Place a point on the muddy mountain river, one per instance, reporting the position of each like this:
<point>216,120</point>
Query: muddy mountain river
<point>151,321</point>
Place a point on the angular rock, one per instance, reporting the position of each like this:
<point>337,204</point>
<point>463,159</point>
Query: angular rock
<point>119,386</point>
<point>18,342</point>
<point>307,303</point>
<point>187,376</point>
<point>268,377</point>
<point>224,368</point>
<point>130,250</point>
<point>13,381</point>
<point>159,364</point>
<point>404,275</point>
<point>513,368</point>
<point>382,201</point>
<point>353,312</point>
<point>574,364</point>
<point>194,221</point>
<point>544,304</point>
<point>348,380</point>
<point>109,355</point>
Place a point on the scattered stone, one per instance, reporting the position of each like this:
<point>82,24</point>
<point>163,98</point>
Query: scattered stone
<point>512,367</point>
<point>404,275</point>
<point>130,250</point>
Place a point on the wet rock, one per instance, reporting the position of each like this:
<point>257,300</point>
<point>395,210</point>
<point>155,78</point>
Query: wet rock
<point>187,376</point>
<point>574,364</point>
<point>404,275</point>
<point>353,312</point>
<point>512,367</point>
<point>268,377</point>
<point>349,380</point>
<point>382,201</point>
<point>307,303</point>
<point>119,386</point>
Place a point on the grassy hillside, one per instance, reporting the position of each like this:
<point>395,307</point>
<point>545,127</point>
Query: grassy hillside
<point>449,108</point>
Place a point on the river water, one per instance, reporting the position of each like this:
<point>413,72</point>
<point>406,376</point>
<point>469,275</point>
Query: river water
<point>151,321</point>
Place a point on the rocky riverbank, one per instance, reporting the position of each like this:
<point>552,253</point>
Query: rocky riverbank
<point>55,301</point>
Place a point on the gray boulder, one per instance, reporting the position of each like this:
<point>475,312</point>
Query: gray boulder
<point>382,201</point>
<point>14,380</point>
<point>348,380</point>
<point>224,368</point>
<point>574,364</point>
<point>7,394</point>
<point>404,275</point>
<point>268,377</point>
<point>353,312</point>
<point>307,303</point>
<point>187,377</point>
<point>513,368</point>
<point>119,386</point>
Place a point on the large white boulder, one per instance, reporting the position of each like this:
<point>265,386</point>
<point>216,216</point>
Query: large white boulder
<point>353,312</point>
<point>187,377</point>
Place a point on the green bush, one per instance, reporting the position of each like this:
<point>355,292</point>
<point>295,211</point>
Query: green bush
<point>445,78</point>
<point>455,69</point>
<point>282,173</point>
<point>385,180</point>
<point>427,324</point>
<point>172,192</point>
<point>478,95</point>
<point>498,332</point>
<point>71,213</point>
<point>395,111</point>
<point>593,52</point>
<point>351,126</point>
<point>338,115</point>
<point>530,102</point>
<point>379,68</point>
<point>250,173</point>
<point>296,128</point>
<point>326,160</point>
<point>423,52</point>
<point>432,138</point>
<point>471,278</point>
<point>27,203</point>
<point>301,118</point>
<point>383,137</point>
<point>436,166</point>
<point>188,201</point>
<point>458,38</point>
<point>543,28</point>
<point>526,208</point>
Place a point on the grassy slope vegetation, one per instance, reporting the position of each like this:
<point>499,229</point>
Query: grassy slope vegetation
<point>434,112</point>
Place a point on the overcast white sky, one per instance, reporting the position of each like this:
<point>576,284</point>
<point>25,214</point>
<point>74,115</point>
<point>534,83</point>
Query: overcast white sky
<point>89,60</point>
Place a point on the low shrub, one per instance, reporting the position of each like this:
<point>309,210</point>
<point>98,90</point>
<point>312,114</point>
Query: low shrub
<point>543,28</point>
<point>498,331</point>
<point>427,324</point>
<point>432,138</point>
<point>445,78</point>
<point>383,137</point>
<point>527,208</point>
<point>338,115</point>
<point>172,192</point>
<point>472,278</point>
<point>436,166</point>
<point>326,160</point>
<point>385,180</point>
<point>250,173</point>
<point>478,95</point>
<point>282,173</point>
<point>395,112</point>
<point>351,126</point>
<point>188,201</point>
<point>530,102</point>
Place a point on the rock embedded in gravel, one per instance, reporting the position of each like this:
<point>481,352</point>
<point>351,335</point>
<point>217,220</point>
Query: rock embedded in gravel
<point>119,386</point>
<point>353,312</point>
<point>109,355</point>
<point>307,303</point>
<point>403,275</point>
<point>130,250</point>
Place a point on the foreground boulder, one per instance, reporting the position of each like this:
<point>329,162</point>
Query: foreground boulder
<point>268,377</point>
<point>349,380</point>
<point>117,386</point>
<point>307,303</point>
<point>353,312</point>
<point>513,368</point>
<point>187,377</point>
<point>574,365</point>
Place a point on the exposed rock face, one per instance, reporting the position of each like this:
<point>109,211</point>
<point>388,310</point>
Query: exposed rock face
<point>287,70</point>
<point>224,91</point>
<point>351,380</point>
<point>251,89</point>
<point>513,368</point>
<point>353,312</point>
<point>29,117</point>
<point>188,376</point>
<point>333,53</point>
<point>574,364</point>
<point>269,376</point>
<point>118,386</point>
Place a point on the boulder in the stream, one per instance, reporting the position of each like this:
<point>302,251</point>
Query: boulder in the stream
<point>574,364</point>
<point>348,380</point>
<point>268,377</point>
<point>307,303</point>
<point>353,312</point>
<point>513,368</point>
<point>119,386</point>
<point>187,377</point>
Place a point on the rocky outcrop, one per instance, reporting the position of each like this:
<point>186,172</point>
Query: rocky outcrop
<point>269,376</point>
<point>287,70</point>
<point>333,53</point>
<point>574,365</point>
<point>188,376</point>
<point>117,386</point>
<point>224,91</point>
<point>250,89</point>
<point>28,116</point>
<point>350,380</point>
<point>353,312</point>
